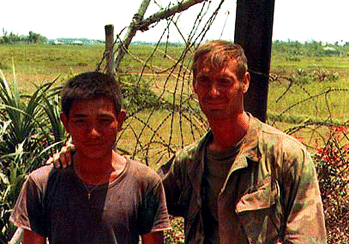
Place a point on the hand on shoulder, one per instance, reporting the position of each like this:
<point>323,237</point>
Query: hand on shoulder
<point>63,158</point>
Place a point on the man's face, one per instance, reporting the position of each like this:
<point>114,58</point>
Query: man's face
<point>219,91</point>
<point>93,125</point>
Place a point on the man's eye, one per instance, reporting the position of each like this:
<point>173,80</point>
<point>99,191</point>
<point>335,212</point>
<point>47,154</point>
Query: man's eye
<point>204,80</point>
<point>80,121</point>
<point>225,81</point>
<point>106,121</point>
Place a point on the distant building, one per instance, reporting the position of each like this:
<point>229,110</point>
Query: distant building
<point>56,42</point>
<point>330,49</point>
<point>78,42</point>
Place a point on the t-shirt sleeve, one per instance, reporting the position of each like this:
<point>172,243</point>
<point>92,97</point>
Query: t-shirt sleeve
<point>153,213</point>
<point>28,212</point>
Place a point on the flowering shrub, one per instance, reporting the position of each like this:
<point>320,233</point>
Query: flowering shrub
<point>175,235</point>
<point>332,162</point>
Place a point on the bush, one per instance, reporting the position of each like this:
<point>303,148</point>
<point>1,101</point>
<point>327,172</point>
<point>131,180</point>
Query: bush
<point>176,234</point>
<point>324,75</point>
<point>300,77</point>
<point>138,94</point>
<point>30,129</point>
<point>332,165</point>
<point>320,75</point>
<point>293,59</point>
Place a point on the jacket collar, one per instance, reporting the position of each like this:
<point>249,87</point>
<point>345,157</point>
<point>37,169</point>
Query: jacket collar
<point>249,150</point>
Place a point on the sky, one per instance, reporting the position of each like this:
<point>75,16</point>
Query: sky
<point>296,20</point>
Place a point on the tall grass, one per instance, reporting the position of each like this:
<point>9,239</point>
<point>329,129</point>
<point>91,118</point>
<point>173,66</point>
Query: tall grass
<point>308,87</point>
<point>29,131</point>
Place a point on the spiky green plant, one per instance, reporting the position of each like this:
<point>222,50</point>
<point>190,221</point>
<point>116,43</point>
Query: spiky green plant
<point>22,116</point>
<point>32,120</point>
<point>10,185</point>
<point>30,130</point>
<point>52,111</point>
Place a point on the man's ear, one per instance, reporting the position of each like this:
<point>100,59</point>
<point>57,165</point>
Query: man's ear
<point>193,85</point>
<point>246,82</point>
<point>65,120</point>
<point>121,118</point>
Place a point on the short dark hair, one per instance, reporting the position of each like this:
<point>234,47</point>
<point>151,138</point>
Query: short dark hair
<point>217,53</point>
<point>90,85</point>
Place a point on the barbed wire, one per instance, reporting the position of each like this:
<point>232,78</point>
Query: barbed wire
<point>176,110</point>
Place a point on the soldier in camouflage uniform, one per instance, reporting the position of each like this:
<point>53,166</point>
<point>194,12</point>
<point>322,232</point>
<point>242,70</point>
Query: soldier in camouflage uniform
<point>244,181</point>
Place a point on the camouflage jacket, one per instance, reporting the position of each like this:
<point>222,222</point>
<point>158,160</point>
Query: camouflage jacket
<point>274,184</point>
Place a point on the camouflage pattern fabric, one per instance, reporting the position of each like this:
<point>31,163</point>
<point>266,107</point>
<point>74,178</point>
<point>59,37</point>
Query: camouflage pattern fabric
<point>271,192</point>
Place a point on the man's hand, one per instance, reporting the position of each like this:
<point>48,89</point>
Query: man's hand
<point>31,237</point>
<point>153,238</point>
<point>63,158</point>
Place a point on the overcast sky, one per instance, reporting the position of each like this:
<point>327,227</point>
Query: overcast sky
<point>301,20</point>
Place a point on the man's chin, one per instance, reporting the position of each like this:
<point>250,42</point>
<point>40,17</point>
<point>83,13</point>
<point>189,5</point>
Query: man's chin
<point>216,113</point>
<point>95,151</point>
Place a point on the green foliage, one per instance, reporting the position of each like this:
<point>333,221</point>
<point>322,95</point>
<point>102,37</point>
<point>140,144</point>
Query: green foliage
<point>175,235</point>
<point>332,163</point>
<point>324,75</point>
<point>10,187</point>
<point>317,93</point>
<point>25,117</point>
<point>300,77</point>
<point>49,61</point>
<point>312,48</point>
<point>13,38</point>
<point>138,94</point>
<point>317,75</point>
<point>293,59</point>
<point>29,131</point>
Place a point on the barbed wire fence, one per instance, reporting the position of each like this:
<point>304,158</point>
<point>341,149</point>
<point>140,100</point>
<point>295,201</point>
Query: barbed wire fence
<point>327,139</point>
<point>170,76</point>
<point>166,116</point>
<point>174,120</point>
<point>157,129</point>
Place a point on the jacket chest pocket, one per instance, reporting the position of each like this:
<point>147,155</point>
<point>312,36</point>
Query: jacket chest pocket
<point>260,214</point>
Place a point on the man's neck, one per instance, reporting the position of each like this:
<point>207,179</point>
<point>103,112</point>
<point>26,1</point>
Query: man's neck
<point>99,170</point>
<point>229,131</point>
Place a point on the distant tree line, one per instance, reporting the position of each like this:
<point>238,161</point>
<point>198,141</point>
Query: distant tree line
<point>11,38</point>
<point>311,48</point>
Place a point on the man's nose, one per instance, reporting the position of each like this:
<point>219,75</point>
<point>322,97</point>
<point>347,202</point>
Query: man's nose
<point>214,89</point>
<point>94,131</point>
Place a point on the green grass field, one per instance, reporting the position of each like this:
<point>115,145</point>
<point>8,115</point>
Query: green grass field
<point>317,107</point>
<point>36,64</point>
<point>288,104</point>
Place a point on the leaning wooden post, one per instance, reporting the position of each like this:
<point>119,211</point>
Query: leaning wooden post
<point>138,23</point>
<point>109,49</point>
<point>253,31</point>
<point>131,32</point>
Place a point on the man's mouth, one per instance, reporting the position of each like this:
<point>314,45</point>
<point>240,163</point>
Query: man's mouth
<point>215,103</point>
<point>94,144</point>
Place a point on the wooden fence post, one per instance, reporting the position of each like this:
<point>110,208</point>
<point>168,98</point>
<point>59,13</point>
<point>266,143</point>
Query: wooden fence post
<point>109,49</point>
<point>253,31</point>
<point>131,32</point>
<point>138,23</point>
